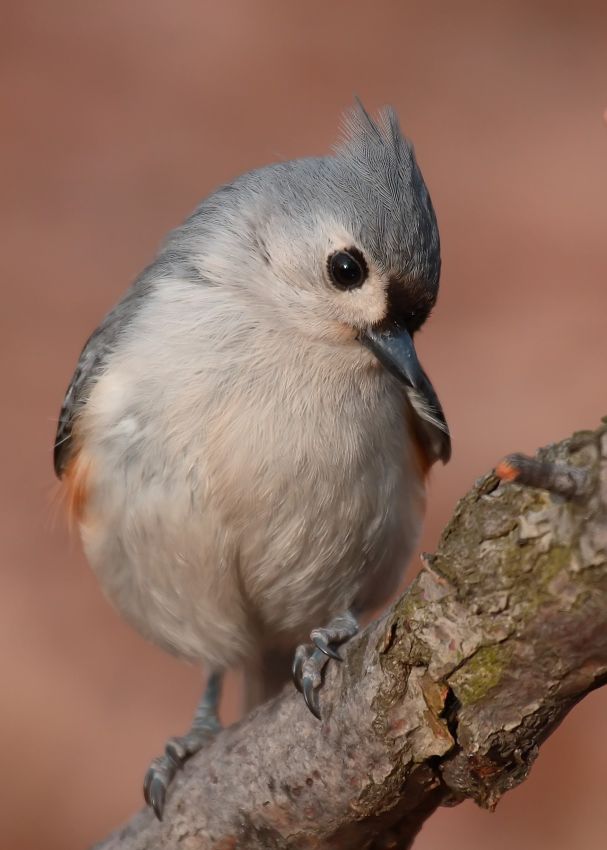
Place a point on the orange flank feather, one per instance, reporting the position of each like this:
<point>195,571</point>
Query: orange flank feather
<point>76,486</point>
<point>419,453</point>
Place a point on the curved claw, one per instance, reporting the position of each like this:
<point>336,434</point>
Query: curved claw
<point>156,782</point>
<point>310,694</point>
<point>324,646</point>
<point>147,781</point>
<point>157,796</point>
<point>296,673</point>
<point>311,659</point>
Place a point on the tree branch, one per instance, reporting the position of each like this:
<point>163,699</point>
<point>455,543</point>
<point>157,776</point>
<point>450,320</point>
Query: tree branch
<point>448,696</point>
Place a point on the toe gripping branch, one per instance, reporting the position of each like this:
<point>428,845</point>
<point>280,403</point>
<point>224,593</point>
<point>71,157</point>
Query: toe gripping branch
<point>311,659</point>
<point>178,750</point>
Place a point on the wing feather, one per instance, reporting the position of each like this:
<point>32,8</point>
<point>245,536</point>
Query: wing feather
<point>92,362</point>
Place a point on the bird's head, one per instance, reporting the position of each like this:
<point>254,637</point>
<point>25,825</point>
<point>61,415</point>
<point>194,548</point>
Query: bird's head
<point>345,250</point>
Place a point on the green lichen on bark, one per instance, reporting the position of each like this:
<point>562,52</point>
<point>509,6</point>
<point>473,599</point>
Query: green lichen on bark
<point>482,672</point>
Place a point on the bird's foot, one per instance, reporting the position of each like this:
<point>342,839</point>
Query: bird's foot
<point>178,750</point>
<point>311,659</point>
<point>162,770</point>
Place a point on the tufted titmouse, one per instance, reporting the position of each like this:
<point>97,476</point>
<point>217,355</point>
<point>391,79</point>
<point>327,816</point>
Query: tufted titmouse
<point>245,440</point>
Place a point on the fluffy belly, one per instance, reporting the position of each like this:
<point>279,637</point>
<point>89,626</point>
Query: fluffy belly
<point>311,563</point>
<point>168,567</point>
<point>211,589</point>
<point>257,527</point>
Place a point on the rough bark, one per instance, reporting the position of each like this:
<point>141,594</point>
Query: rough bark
<point>448,696</point>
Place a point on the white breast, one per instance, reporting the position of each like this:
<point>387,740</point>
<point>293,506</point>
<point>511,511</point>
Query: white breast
<point>243,488</point>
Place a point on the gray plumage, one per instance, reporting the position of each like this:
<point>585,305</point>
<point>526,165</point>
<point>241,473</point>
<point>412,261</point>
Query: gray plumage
<point>249,468</point>
<point>245,439</point>
<point>373,172</point>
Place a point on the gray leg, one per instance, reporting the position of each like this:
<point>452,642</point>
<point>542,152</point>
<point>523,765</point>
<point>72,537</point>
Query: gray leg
<point>178,750</point>
<point>310,661</point>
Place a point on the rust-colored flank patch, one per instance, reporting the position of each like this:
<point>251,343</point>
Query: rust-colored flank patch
<point>75,481</point>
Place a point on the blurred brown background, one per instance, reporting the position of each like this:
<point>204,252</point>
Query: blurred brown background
<point>117,118</point>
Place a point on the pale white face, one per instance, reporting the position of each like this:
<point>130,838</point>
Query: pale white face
<point>310,275</point>
<point>302,278</point>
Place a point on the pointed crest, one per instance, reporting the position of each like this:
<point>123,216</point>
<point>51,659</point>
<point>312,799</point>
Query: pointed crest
<point>377,150</point>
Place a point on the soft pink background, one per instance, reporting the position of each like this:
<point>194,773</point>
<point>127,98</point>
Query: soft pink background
<point>117,118</point>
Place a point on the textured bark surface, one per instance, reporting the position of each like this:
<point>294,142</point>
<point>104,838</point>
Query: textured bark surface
<point>448,696</point>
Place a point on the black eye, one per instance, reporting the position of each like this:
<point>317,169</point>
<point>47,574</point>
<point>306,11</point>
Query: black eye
<point>347,269</point>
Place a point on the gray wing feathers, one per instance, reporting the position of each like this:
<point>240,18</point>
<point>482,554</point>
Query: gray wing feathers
<point>92,362</point>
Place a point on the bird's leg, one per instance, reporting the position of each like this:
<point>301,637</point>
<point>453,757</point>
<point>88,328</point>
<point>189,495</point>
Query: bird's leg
<point>178,750</point>
<point>310,660</point>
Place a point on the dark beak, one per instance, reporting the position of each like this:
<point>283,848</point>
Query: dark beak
<point>393,347</point>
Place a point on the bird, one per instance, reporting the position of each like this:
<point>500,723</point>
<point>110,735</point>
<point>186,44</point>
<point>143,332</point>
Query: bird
<point>245,443</point>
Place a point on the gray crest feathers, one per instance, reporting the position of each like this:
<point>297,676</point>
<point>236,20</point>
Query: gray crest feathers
<point>378,151</point>
<point>378,169</point>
